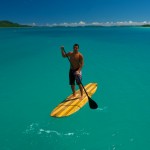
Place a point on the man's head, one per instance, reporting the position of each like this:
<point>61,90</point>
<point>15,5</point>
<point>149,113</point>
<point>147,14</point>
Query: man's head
<point>75,47</point>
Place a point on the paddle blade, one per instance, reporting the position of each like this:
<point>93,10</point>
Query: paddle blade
<point>92,104</point>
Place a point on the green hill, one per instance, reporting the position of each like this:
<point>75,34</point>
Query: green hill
<point>146,25</point>
<point>5,23</point>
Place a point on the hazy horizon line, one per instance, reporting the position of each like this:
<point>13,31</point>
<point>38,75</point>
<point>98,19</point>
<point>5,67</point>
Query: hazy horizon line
<point>82,23</point>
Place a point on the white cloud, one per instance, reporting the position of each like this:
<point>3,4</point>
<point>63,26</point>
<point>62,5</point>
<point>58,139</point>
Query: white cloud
<point>82,23</point>
<point>33,24</point>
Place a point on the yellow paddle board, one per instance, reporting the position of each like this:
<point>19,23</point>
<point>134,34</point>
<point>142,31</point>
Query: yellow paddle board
<point>72,104</point>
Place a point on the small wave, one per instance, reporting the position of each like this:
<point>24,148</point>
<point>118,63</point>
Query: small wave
<point>35,129</point>
<point>32,127</point>
<point>55,132</point>
<point>48,131</point>
<point>102,109</point>
<point>69,134</point>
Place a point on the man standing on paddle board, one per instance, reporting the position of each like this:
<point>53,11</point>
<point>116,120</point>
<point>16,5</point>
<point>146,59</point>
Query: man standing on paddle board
<point>77,61</point>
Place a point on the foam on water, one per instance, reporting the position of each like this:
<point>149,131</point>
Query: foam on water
<point>34,128</point>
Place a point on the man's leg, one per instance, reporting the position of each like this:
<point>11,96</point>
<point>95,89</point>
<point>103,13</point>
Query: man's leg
<point>81,90</point>
<point>78,81</point>
<point>72,82</point>
<point>73,90</point>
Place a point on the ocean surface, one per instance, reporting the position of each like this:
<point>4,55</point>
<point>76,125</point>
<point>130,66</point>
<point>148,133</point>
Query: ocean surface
<point>34,80</point>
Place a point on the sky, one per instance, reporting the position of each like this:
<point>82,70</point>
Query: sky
<point>74,11</point>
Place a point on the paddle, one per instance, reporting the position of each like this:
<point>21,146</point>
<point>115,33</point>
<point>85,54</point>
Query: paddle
<point>92,103</point>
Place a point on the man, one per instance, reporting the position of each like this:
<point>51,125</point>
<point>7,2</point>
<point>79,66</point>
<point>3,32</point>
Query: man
<point>76,65</point>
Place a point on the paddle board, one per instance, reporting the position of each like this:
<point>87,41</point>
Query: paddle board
<point>72,104</point>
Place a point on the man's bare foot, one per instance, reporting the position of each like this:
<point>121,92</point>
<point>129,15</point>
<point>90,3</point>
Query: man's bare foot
<point>81,97</point>
<point>73,95</point>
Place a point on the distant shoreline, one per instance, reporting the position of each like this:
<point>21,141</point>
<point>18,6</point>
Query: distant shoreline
<point>9,24</point>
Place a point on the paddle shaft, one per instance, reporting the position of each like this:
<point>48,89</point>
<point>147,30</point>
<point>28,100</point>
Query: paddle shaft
<point>77,75</point>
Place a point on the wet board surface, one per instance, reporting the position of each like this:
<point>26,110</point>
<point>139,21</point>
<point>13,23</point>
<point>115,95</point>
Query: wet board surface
<point>72,104</point>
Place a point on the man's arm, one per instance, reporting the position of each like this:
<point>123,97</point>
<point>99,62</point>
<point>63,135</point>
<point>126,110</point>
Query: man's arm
<point>81,62</point>
<point>63,53</point>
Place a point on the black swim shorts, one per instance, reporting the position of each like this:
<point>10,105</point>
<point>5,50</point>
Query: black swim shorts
<point>73,77</point>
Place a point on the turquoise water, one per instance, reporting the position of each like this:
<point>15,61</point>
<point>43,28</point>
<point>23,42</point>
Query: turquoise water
<point>34,79</point>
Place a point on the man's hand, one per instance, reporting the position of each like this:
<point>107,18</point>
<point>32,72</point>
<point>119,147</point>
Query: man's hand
<point>77,73</point>
<point>62,47</point>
